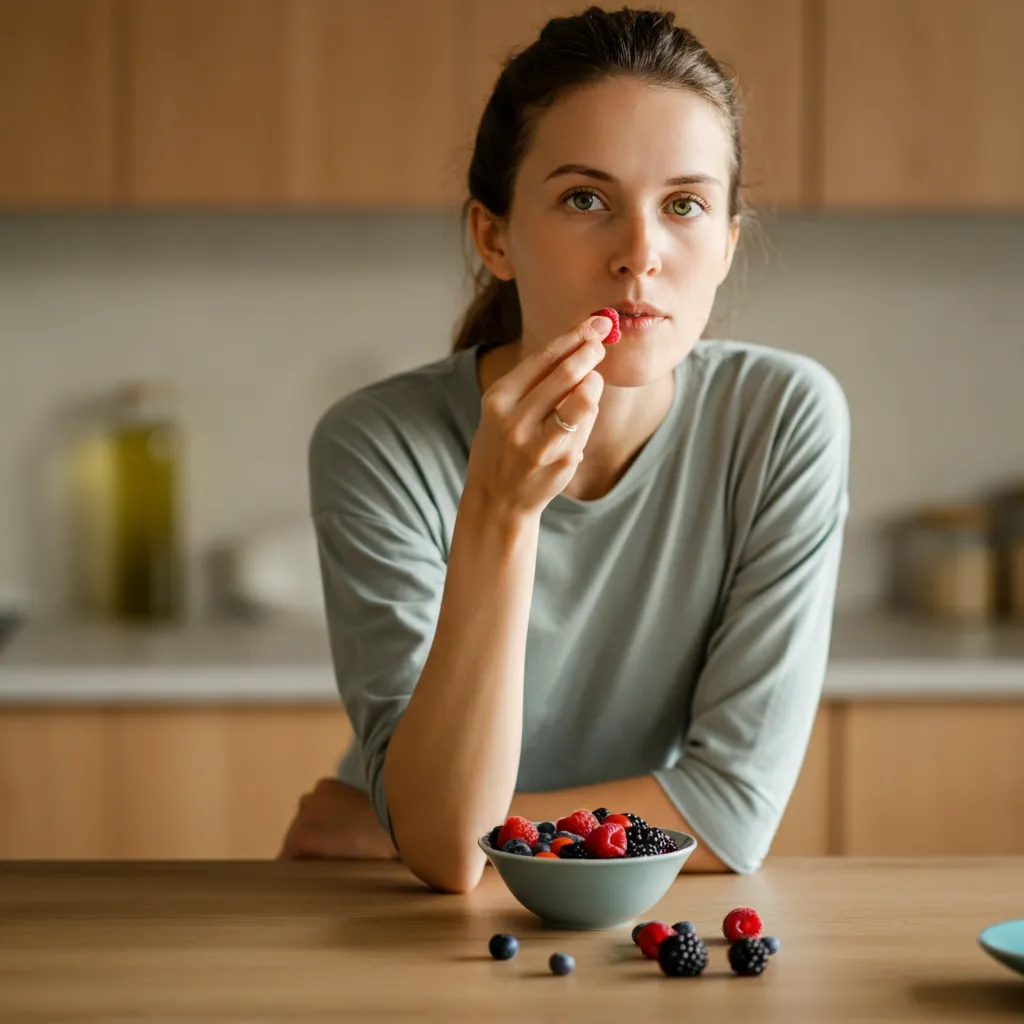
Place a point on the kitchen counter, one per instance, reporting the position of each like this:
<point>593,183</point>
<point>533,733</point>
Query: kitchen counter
<point>874,657</point>
<point>881,940</point>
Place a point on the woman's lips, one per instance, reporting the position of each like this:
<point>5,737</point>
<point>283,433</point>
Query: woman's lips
<point>630,324</point>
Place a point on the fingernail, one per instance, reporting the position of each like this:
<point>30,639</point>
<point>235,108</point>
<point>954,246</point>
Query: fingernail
<point>600,326</point>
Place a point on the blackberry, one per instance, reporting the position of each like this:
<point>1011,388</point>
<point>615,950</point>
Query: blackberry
<point>601,813</point>
<point>669,845</point>
<point>637,820</point>
<point>520,847</point>
<point>748,956</point>
<point>574,851</point>
<point>685,928</point>
<point>644,841</point>
<point>637,929</point>
<point>682,956</point>
<point>548,827</point>
<point>540,848</point>
<point>494,837</point>
<point>771,944</point>
<point>561,963</point>
<point>503,947</point>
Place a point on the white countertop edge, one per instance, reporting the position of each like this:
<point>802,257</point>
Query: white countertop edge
<point>276,684</point>
<point>283,684</point>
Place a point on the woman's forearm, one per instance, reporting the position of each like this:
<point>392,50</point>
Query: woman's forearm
<point>452,763</point>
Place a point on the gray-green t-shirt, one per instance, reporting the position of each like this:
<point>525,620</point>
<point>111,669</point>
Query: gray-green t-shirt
<point>679,625</point>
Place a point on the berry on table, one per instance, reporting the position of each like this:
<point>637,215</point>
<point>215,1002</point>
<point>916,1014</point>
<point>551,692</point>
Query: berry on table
<point>685,928</point>
<point>771,944</point>
<point>519,847</point>
<point>741,923</point>
<point>748,956</point>
<point>518,828</point>
<point>561,963</point>
<point>682,955</point>
<point>637,929</point>
<point>581,822</point>
<point>503,947</point>
<point>651,937</point>
<point>606,841</point>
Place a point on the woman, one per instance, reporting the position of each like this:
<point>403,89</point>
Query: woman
<point>516,629</point>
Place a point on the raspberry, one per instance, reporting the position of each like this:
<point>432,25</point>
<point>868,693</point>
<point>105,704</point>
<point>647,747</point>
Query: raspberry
<point>548,855</point>
<point>613,314</point>
<point>518,828</point>
<point>682,956</point>
<point>557,844</point>
<point>503,947</point>
<point>617,819</point>
<point>748,956</point>
<point>574,851</point>
<point>651,937</point>
<point>741,923</point>
<point>580,822</point>
<point>519,847</point>
<point>561,963</point>
<point>637,929</point>
<point>607,841</point>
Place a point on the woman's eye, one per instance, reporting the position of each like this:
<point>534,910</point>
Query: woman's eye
<point>587,200</point>
<point>584,201</point>
<point>686,207</point>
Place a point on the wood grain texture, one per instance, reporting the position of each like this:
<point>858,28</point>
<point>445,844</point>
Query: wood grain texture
<point>933,778</point>
<point>159,783</point>
<point>761,41</point>
<point>862,940</point>
<point>922,105</point>
<point>56,103</point>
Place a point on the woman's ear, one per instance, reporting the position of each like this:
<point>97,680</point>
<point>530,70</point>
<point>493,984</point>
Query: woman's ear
<point>491,240</point>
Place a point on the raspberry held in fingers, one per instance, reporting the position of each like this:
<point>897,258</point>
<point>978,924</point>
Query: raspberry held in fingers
<point>613,314</point>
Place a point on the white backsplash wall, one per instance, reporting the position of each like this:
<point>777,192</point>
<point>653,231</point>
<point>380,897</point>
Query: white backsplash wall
<point>261,320</point>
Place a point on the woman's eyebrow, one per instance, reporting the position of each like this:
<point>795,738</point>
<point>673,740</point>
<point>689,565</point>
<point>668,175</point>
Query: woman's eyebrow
<point>593,172</point>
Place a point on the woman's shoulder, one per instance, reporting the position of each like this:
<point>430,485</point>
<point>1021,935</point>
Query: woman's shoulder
<point>773,383</point>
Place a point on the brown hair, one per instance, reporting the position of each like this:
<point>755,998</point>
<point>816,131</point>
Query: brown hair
<point>572,52</point>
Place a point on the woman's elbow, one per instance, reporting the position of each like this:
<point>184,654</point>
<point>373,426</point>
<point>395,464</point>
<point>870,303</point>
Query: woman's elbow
<point>457,876</point>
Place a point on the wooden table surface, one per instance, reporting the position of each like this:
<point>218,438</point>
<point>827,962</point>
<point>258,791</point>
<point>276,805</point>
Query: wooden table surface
<point>862,940</point>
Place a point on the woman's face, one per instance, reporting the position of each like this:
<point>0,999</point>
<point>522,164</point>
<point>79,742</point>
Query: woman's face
<point>596,220</point>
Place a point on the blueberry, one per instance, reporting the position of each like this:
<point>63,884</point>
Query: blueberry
<point>568,835</point>
<point>548,827</point>
<point>540,848</point>
<point>494,837</point>
<point>503,947</point>
<point>600,813</point>
<point>637,929</point>
<point>561,963</point>
<point>685,928</point>
<point>771,943</point>
<point>518,846</point>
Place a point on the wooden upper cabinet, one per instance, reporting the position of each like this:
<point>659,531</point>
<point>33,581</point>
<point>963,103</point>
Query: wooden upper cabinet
<point>923,104</point>
<point>375,103</point>
<point>206,101</point>
<point>761,41</point>
<point>56,103</point>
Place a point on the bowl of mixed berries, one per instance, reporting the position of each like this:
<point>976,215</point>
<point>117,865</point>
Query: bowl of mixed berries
<point>590,869</point>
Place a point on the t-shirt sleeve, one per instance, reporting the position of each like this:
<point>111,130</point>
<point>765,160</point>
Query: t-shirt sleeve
<point>756,698</point>
<point>383,569</point>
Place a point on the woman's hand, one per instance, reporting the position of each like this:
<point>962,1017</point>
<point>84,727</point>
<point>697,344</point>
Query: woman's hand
<point>336,821</point>
<point>521,458</point>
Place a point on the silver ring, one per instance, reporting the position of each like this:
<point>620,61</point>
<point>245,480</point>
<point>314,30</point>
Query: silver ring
<point>570,427</point>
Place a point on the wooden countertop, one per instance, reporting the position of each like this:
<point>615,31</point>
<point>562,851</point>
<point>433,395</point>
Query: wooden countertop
<point>862,940</point>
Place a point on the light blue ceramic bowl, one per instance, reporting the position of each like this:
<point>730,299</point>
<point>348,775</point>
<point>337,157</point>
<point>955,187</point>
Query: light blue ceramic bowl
<point>590,893</point>
<point>1005,941</point>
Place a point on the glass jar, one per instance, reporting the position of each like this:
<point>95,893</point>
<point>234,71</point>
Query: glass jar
<point>951,563</point>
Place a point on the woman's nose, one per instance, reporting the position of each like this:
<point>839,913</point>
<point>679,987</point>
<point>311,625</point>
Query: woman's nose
<point>637,254</point>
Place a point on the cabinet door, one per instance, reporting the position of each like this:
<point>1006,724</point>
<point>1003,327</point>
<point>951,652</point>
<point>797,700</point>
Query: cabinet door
<point>205,101</point>
<point>760,40</point>
<point>929,779</point>
<point>808,826</point>
<point>56,103</point>
<point>374,104</point>
<point>922,104</point>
